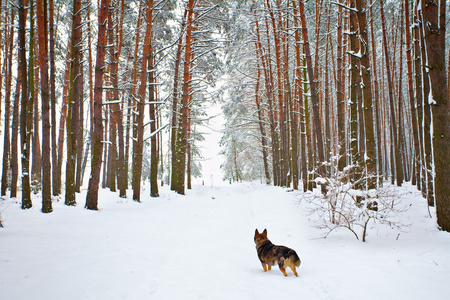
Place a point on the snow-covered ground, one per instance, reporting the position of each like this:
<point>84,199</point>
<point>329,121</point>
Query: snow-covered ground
<point>200,246</point>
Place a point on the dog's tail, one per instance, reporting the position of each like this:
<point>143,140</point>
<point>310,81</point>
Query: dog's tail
<point>294,258</point>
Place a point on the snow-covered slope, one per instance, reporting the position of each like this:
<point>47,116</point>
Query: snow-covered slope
<point>200,246</point>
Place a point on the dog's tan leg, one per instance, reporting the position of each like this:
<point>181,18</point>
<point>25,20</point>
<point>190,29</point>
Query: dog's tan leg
<point>283,271</point>
<point>264,266</point>
<point>292,266</point>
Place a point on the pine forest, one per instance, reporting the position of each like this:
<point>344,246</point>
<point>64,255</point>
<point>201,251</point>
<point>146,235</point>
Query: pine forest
<point>324,94</point>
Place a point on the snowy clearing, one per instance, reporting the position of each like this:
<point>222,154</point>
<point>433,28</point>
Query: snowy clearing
<point>200,246</point>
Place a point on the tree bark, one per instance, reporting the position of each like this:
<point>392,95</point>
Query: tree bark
<point>139,143</point>
<point>377,98</point>
<point>132,99</point>
<point>36,165</point>
<point>9,42</point>
<point>314,91</point>
<point>26,111</point>
<point>412,101</point>
<point>277,35</point>
<point>175,174</point>
<point>355,99</point>
<point>45,98</point>
<point>73,105</point>
<point>370,154</point>
<point>265,63</point>
<point>97,136</point>
<point>62,122</point>
<point>55,190</point>
<point>394,129</point>
<point>418,97</point>
<point>299,94</point>
<point>182,134</point>
<point>15,133</point>
<point>434,29</point>
<point>261,126</point>
<point>153,128</point>
<point>340,99</point>
<point>122,173</point>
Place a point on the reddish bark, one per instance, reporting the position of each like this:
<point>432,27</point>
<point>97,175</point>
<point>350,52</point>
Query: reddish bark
<point>434,29</point>
<point>138,145</point>
<point>97,136</point>
<point>45,98</point>
<point>314,90</point>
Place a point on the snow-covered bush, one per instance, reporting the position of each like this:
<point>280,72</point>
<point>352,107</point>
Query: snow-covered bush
<point>344,206</point>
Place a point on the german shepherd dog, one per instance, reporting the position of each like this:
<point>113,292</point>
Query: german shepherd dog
<point>270,254</point>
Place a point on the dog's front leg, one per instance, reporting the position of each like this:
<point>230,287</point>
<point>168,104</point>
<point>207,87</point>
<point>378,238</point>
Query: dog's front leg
<point>264,266</point>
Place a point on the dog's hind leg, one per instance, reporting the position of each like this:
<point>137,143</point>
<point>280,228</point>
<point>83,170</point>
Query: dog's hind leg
<point>292,266</point>
<point>283,271</point>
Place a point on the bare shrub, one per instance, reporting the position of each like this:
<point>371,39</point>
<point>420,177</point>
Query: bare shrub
<point>345,206</point>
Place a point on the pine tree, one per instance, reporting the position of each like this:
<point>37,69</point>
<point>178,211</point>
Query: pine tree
<point>97,135</point>
<point>434,28</point>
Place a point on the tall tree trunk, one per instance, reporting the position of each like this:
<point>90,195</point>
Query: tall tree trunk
<point>113,108</point>
<point>91,83</point>
<point>118,113</point>
<point>265,63</point>
<point>299,94</point>
<point>291,142</point>
<point>55,189</point>
<point>9,42</point>
<point>277,35</point>
<point>377,98</point>
<point>26,111</point>
<point>340,99</point>
<point>426,114</point>
<point>134,94</point>
<point>418,97</point>
<point>355,98</point>
<point>328,111</point>
<point>412,100</point>
<point>434,29</point>
<point>73,106</point>
<point>370,154</point>
<point>175,174</point>
<point>36,166</point>
<point>270,87</point>
<point>182,134</point>
<point>15,133</point>
<point>294,140</point>
<point>3,48</point>
<point>314,91</point>
<point>62,122</point>
<point>97,135</point>
<point>261,127</point>
<point>400,113</point>
<point>395,139</point>
<point>139,143</point>
<point>153,128</point>
<point>45,98</point>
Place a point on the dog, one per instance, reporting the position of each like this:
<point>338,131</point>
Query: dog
<point>270,254</point>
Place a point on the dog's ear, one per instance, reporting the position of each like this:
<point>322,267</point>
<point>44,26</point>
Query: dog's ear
<point>264,233</point>
<point>256,232</point>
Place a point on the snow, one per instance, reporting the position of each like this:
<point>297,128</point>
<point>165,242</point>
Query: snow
<point>200,246</point>
<point>431,100</point>
<point>320,180</point>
